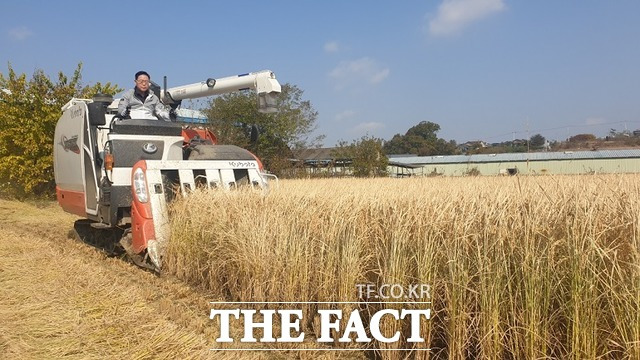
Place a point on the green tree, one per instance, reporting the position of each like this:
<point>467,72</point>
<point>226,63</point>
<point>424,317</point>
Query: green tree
<point>366,155</point>
<point>29,111</point>
<point>231,117</point>
<point>537,141</point>
<point>422,140</point>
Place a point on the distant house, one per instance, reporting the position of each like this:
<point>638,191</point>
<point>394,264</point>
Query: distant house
<point>472,145</point>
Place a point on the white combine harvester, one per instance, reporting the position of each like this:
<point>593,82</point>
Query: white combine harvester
<point>120,174</point>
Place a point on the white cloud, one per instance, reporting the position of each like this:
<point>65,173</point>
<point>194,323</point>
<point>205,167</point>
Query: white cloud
<point>20,33</point>
<point>331,47</point>
<point>367,126</point>
<point>454,15</point>
<point>344,115</point>
<point>361,71</point>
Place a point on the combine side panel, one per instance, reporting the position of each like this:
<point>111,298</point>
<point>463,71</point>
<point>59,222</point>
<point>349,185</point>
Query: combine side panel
<point>71,201</point>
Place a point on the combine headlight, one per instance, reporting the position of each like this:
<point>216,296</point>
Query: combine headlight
<point>140,185</point>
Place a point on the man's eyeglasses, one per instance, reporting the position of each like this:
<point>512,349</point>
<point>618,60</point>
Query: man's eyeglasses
<point>142,81</point>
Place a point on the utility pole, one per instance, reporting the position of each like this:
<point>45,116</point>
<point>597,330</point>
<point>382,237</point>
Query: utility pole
<point>528,137</point>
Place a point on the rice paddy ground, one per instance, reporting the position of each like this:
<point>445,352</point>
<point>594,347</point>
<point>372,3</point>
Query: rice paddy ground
<point>63,299</point>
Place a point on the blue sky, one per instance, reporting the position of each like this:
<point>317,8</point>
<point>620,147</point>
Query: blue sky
<point>482,69</point>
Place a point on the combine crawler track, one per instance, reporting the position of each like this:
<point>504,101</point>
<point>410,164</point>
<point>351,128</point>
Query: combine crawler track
<point>106,240</point>
<point>114,242</point>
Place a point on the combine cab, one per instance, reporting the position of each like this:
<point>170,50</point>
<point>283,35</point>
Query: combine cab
<point>120,175</point>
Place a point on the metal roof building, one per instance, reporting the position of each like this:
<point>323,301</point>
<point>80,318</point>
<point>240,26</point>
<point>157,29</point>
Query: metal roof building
<point>568,162</point>
<point>315,157</point>
<point>320,161</point>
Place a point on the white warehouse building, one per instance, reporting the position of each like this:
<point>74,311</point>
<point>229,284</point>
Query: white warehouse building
<point>568,162</point>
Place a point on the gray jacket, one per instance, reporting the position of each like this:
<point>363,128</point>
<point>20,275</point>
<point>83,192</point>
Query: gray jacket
<point>151,105</point>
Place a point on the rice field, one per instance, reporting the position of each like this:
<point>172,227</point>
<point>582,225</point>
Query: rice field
<point>519,267</point>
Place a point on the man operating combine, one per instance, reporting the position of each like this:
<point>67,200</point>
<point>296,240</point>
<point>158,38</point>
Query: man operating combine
<point>140,103</point>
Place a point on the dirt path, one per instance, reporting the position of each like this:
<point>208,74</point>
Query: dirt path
<point>60,298</point>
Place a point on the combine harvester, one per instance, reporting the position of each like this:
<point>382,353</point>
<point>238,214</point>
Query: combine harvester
<point>119,175</point>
